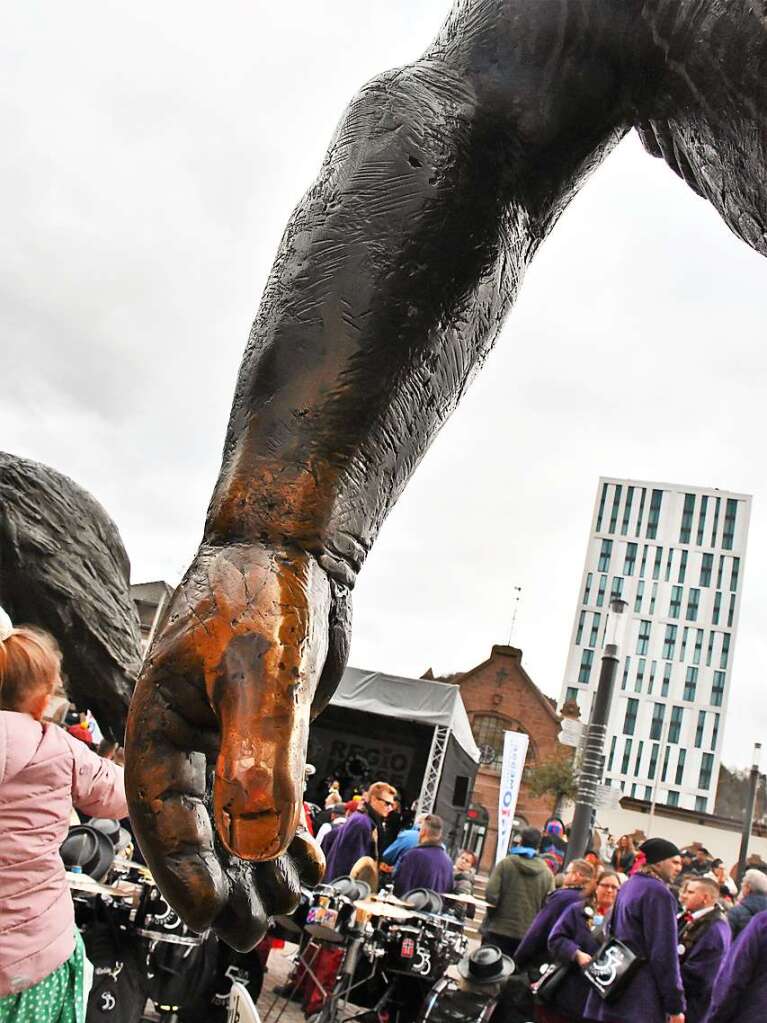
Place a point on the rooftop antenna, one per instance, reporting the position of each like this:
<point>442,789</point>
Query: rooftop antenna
<point>515,600</point>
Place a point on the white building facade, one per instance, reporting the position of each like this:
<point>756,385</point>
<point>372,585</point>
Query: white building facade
<point>676,556</point>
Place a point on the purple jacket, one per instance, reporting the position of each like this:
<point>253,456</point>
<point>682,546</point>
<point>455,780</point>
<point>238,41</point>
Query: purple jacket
<point>570,934</point>
<point>353,839</point>
<point>740,989</point>
<point>644,918</point>
<point>534,945</point>
<point>701,963</point>
<point>426,866</point>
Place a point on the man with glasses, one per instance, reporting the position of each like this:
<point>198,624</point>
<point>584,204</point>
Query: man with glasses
<point>360,835</point>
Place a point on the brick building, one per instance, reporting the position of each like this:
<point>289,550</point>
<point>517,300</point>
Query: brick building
<point>500,696</point>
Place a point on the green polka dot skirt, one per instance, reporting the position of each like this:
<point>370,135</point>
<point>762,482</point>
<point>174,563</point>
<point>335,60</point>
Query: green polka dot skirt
<point>58,998</point>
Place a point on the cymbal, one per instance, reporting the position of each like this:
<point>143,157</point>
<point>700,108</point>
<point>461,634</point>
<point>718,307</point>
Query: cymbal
<point>379,908</point>
<point>85,883</point>
<point>468,899</point>
<point>392,900</point>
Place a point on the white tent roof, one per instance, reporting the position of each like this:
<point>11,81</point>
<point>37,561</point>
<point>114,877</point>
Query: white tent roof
<point>413,699</point>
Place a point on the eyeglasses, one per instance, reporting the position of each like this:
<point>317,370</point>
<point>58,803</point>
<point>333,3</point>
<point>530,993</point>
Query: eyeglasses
<point>386,802</point>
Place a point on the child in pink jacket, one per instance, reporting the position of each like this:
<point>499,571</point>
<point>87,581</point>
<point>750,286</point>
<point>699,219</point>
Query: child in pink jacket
<point>43,772</point>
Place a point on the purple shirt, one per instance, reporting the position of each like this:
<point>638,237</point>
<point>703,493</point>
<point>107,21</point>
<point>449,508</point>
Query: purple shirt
<point>644,918</point>
<point>740,989</point>
<point>426,866</point>
<point>534,945</point>
<point>355,839</point>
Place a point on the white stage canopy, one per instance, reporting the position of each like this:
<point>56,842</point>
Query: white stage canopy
<point>412,699</point>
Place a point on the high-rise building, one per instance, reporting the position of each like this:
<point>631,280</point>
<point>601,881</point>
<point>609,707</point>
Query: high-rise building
<point>676,555</point>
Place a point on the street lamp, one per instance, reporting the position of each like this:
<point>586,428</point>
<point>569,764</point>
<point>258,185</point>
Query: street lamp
<point>748,821</point>
<point>593,754</point>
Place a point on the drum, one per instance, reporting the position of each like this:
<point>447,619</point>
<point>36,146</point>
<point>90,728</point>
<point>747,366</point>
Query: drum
<point>447,1003</point>
<point>329,915</point>
<point>412,949</point>
<point>448,936</point>
<point>155,921</point>
<point>177,961</point>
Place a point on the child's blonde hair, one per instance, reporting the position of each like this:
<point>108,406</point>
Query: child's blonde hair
<point>30,661</point>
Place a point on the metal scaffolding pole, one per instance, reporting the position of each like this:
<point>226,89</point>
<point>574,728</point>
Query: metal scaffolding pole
<point>433,773</point>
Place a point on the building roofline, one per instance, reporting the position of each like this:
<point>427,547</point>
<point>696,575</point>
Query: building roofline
<point>680,487</point>
<point>516,653</point>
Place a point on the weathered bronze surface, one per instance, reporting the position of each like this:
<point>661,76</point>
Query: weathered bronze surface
<point>390,285</point>
<point>63,567</point>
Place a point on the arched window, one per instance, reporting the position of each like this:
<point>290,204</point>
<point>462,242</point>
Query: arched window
<point>488,732</point>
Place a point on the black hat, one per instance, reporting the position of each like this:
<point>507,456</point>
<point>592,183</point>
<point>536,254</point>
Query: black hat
<point>119,837</point>
<point>88,848</point>
<point>351,888</point>
<point>423,900</point>
<point>657,849</point>
<point>486,965</point>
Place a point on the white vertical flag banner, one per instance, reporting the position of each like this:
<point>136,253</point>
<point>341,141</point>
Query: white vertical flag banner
<point>514,753</point>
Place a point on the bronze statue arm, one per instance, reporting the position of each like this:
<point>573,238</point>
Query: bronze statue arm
<point>390,285</point>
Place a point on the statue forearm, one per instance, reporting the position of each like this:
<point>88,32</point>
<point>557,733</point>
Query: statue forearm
<point>391,283</point>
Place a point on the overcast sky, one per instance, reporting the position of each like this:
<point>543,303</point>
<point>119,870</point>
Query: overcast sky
<point>151,156</point>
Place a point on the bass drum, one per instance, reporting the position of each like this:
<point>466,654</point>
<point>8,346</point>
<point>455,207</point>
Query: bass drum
<point>447,1003</point>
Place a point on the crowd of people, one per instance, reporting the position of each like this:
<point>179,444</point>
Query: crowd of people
<point>693,945</point>
<point>371,833</point>
<point>692,936</point>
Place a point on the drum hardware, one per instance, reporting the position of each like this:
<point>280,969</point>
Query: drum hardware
<point>162,937</point>
<point>336,1004</point>
<point>401,945</point>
